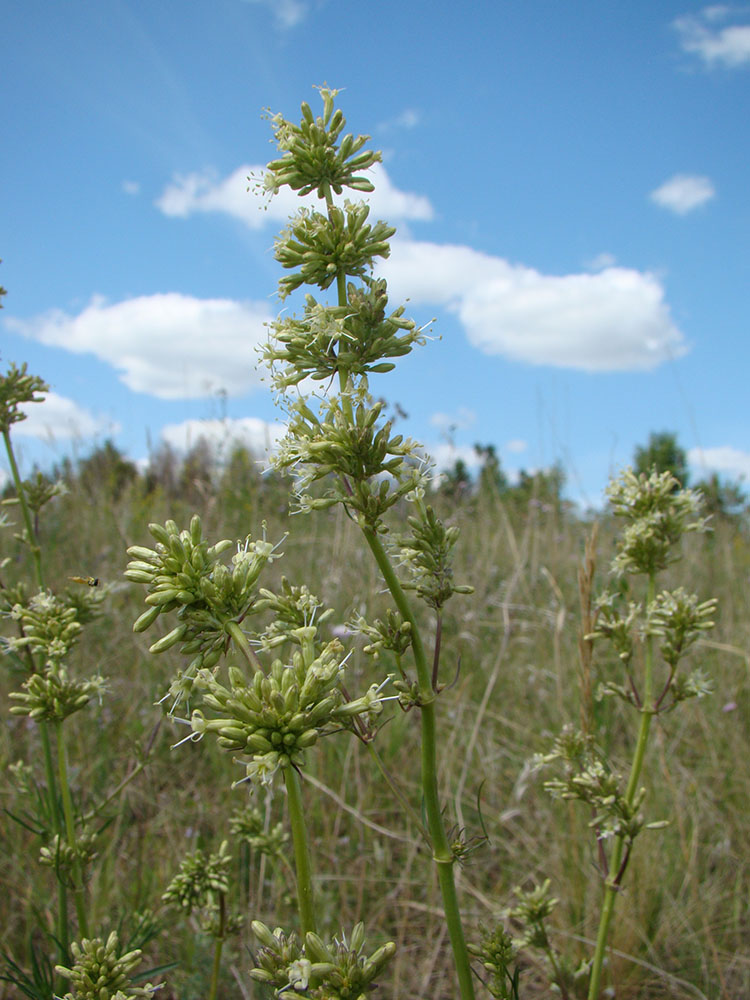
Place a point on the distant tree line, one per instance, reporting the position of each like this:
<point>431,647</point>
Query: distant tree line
<point>240,481</point>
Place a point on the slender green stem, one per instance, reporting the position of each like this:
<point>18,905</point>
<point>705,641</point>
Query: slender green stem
<point>63,935</point>
<point>612,885</point>
<point>441,852</point>
<point>219,944</point>
<point>305,900</point>
<point>63,932</point>
<point>233,629</point>
<point>70,831</point>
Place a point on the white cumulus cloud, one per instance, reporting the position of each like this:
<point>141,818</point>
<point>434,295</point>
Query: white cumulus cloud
<point>189,194</point>
<point>61,419</point>
<point>724,460</point>
<point>703,35</point>
<point>683,193</point>
<point>170,346</point>
<point>258,436</point>
<point>615,320</point>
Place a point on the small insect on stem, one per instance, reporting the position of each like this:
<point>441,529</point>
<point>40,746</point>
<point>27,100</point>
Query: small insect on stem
<point>89,581</point>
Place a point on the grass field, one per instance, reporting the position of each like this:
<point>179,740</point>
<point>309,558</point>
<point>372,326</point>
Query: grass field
<point>513,677</point>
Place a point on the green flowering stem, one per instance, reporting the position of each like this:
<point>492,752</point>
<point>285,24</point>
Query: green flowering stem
<point>78,890</point>
<point>63,932</point>
<point>305,900</point>
<point>232,629</point>
<point>441,852</point>
<point>63,935</point>
<point>616,864</point>
<point>219,944</point>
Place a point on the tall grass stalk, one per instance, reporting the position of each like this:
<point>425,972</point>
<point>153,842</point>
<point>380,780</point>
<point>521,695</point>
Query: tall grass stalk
<point>62,924</point>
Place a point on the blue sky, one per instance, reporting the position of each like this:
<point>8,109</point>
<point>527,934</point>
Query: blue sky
<point>569,182</point>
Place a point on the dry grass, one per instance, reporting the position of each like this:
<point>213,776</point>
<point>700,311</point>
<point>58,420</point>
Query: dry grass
<point>682,925</point>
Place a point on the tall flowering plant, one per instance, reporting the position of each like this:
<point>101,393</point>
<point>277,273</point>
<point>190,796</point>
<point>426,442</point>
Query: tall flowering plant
<point>340,449</point>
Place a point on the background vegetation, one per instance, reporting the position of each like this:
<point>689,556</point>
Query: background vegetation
<point>512,650</point>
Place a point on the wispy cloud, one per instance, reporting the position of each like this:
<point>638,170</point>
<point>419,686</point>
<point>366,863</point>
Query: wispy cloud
<point>205,192</point>
<point>461,420</point>
<point>684,193</point>
<point>131,187</point>
<point>703,35</point>
<point>258,436</point>
<point>601,262</point>
<point>61,419</point>
<point>615,320</point>
<point>287,13</point>
<point>170,346</point>
<point>408,119</point>
<point>724,459</point>
<point>444,456</point>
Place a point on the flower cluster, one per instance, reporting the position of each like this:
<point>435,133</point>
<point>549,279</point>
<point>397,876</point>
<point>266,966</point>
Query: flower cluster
<point>272,719</point>
<point>354,338</point>
<point>313,158</point>
<point>54,695</point>
<point>49,627</point>
<point>658,515</point>
<point>426,555</point>
<point>322,247</point>
<point>16,388</point>
<point>336,971</point>
<point>292,609</point>
<point>63,857</point>
<point>393,634</point>
<point>201,886</point>
<point>247,824</point>
<point>183,573</point>
<point>100,973</point>
<point>587,777</point>
<point>371,469</point>
<point>497,952</point>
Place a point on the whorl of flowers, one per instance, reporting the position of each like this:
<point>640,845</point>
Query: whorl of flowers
<point>16,388</point>
<point>49,627</point>
<point>356,337</point>
<point>370,468</point>
<point>321,247</point>
<point>100,973</point>
<point>183,573</point>
<point>313,157</point>
<point>658,512</point>
<point>339,970</point>
<point>271,720</point>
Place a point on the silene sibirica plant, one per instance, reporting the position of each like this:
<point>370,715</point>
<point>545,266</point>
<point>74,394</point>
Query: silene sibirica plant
<point>264,677</point>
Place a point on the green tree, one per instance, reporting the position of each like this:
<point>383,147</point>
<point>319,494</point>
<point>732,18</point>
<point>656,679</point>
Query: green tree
<point>663,454</point>
<point>456,481</point>
<point>492,479</point>
<point>106,469</point>
<point>722,499</point>
<point>542,488</point>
